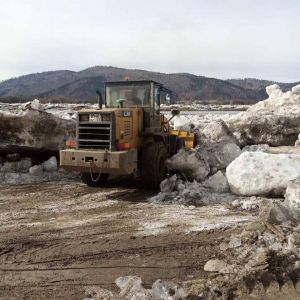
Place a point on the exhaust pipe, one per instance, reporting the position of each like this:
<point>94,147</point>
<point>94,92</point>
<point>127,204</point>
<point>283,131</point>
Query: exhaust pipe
<point>99,99</point>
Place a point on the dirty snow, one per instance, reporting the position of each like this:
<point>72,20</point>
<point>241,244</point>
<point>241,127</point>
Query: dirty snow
<point>62,110</point>
<point>191,219</point>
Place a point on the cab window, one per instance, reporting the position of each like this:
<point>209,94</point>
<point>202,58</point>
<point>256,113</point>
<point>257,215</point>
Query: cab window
<point>130,95</point>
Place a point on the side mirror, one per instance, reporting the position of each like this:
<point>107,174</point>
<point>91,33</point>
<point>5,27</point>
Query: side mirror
<point>175,112</point>
<point>168,99</point>
<point>157,95</point>
<point>121,102</point>
<point>100,101</point>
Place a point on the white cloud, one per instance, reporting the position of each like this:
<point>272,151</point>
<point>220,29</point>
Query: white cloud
<point>215,38</point>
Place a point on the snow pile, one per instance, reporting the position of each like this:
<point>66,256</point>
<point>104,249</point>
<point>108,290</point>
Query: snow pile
<point>214,190</point>
<point>275,121</point>
<point>216,150</point>
<point>29,130</point>
<point>23,172</point>
<point>292,198</point>
<point>182,123</point>
<point>249,204</point>
<point>264,253</point>
<point>217,183</point>
<point>297,143</point>
<point>4,113</point>
<point>63,111</point>
<point>199,120</point>
<point>34,130</point>
<point>34,104</point>
<point>176,190</point>
<point>189,163</point>
<point>278,99</point>
<point>255,148</point>
<point>66,114</point>
<point>50,165</point>
<point>205,107</point>
<point>19,166</point>
<point>130,287</point>
<point>259,173</point>
<point>168,185</point>
<point>215,132</point>
<point>66,111</point>
<point>219,155</point>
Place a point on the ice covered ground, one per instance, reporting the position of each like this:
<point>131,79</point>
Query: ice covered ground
<point>206,107</point>
<point>64,111</point>
<point>34,126</point>
<point>221,134</point>
<point>189,120</point>
<point>191,219</point>
<point>68,111</point>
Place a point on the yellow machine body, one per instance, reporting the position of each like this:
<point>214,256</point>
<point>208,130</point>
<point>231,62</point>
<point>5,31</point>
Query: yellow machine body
<point>111,140</point>
<point>129,137</point>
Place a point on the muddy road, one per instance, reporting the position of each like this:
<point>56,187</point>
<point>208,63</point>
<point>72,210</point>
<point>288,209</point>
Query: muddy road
<point>58,238</point>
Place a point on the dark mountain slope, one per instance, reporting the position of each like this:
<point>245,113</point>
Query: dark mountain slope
<point>83,84</point>
<point>258,85</point>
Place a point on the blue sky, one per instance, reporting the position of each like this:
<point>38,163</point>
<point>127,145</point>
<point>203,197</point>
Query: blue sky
<point>223,39</point>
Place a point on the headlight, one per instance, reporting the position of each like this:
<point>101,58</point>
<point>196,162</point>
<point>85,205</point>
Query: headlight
<point>105,117</point>
<point>84,117</point>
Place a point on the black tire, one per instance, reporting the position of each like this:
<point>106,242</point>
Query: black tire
<point>179,144</point>
<point>87,179</point>
<point>152,164</point>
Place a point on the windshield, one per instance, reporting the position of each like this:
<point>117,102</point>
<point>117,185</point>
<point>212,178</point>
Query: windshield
<point>130,95</point>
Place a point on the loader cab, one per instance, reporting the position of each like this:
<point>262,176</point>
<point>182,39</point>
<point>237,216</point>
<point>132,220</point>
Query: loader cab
<point>145,94</point>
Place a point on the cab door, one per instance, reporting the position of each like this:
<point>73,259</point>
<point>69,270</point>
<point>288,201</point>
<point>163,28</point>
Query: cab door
<point>156,105</point>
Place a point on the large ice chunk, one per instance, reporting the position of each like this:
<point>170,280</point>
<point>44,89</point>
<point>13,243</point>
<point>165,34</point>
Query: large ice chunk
<point>217,183</point>
<point>259,173</point>
<point>219,155</point>
<point>292,198</point>
<point>190,163</point>
<point>274,121</point>
<point>36,130</point>
<point>50,165</point>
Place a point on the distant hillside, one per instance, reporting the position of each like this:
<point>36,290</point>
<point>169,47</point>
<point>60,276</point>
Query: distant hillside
<point>256,84</point>
<point>81,86</point>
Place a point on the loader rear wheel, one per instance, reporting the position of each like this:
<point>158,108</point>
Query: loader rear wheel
<point>90,180</point>
<point>152,164</point>
<point>179,144</point>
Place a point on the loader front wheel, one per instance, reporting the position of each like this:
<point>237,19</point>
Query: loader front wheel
<point>152,164</point>
<point>94,179</point>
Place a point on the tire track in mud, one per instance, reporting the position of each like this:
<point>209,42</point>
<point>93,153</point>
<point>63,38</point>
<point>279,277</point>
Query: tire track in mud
<point>33,254</point>
<point>75,244</point>
<point>172,259</point>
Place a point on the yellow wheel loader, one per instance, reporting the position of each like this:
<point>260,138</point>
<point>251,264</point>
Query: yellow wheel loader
<point>128,136</point>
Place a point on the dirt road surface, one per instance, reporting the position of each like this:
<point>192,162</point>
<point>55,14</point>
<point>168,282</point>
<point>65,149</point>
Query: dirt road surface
<point>58,238</point>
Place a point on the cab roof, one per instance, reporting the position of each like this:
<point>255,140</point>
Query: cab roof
<point>122,82</point>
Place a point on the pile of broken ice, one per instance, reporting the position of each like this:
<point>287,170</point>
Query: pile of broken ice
<point>266,252</point>
<point>254,153</point>
<point>33,129</point>
<point>131,288</point>
<point>27,134</point>
<point>254,158</point>
<point>16,170</point>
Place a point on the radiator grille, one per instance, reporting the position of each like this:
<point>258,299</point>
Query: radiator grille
<point>92,135</point>
<point>127,128</point>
